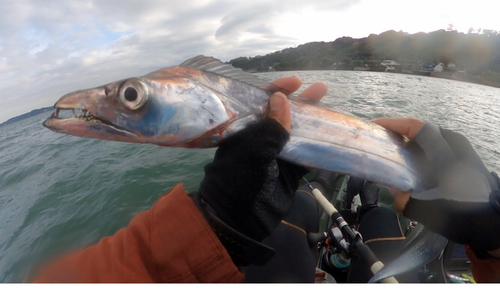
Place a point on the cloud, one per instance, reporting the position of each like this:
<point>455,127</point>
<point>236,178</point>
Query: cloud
<point>51,47</point>
<point>245,18</point>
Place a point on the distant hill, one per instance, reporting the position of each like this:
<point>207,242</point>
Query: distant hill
<point>472,52</point>
<point>27,115</point>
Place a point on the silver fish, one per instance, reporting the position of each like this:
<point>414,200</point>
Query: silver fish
<point>426,247</point>
<point>202,101</point>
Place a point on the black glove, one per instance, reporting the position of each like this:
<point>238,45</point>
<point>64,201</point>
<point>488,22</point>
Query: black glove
<point>248,188</point>
<point>465,205</point>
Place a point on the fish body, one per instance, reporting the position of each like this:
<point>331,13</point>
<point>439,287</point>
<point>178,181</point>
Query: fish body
<point>203,101</point>
<point>422,251</point>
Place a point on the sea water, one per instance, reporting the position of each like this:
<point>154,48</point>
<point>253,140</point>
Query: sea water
<point>59,193</point>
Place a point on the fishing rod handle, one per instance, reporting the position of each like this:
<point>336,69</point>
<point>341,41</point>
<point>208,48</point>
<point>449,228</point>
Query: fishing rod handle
<point>377,267</point>
<point>369,258</point>
<point>364,251</point>
<point>325,204</point>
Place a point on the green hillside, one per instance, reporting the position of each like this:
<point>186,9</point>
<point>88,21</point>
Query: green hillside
<point>476,54</point>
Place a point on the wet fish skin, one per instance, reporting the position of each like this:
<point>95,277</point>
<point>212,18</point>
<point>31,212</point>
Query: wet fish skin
<point>189,107</point>
<point>333,141</point>
<point>425,249</point>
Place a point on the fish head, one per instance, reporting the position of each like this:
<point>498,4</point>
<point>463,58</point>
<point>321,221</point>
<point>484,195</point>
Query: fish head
<point>153,109</point>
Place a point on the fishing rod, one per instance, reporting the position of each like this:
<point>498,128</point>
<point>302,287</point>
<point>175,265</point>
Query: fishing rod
<point>349,240</point>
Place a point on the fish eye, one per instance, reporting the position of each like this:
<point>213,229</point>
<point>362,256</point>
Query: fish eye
<point>130,94</point>
<point>133,94</point>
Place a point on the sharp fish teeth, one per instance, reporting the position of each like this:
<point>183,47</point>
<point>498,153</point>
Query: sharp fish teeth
<point>55,114</point>
<point>75,113</point>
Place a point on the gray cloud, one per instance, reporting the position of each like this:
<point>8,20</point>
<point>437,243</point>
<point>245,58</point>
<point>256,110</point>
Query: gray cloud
<point>51,47</point>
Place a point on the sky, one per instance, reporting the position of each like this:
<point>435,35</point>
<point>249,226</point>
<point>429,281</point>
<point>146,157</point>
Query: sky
<point>52,47</point>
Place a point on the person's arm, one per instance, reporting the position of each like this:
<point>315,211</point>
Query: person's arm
<point>464,206</point>
<point>485,267</point>
<point>171,242</point>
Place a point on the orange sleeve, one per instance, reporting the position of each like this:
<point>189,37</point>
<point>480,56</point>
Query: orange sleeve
<point>170,242</point>
<point>484,271</point>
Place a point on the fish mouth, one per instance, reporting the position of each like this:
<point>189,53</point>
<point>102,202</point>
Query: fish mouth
<point>81,122</point>
<point>78,115</point>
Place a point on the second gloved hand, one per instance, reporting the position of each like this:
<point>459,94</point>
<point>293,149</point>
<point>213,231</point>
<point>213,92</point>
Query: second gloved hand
<point>464,206</point>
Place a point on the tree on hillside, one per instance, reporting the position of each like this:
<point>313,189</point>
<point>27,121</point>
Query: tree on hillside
<point>472,51</point>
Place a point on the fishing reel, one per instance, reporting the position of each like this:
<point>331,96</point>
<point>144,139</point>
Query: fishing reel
<point>336,246</point>
<point>342,242</point>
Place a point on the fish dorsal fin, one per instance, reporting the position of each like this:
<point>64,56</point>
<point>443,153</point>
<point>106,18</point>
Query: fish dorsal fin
<point>213,65</point>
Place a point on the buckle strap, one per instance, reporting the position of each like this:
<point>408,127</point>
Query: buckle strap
<point>242,249</point>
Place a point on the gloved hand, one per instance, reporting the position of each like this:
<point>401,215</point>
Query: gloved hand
<point>247,186</point>
<point>465,205</point>
<point>247,190</point>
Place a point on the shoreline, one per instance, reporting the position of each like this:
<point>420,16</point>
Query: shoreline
<point>454,76</point>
